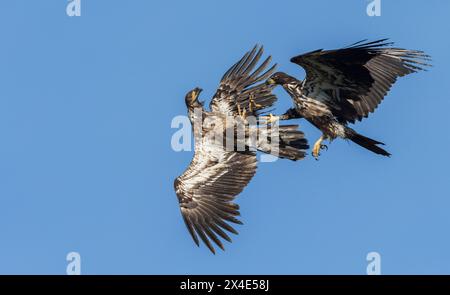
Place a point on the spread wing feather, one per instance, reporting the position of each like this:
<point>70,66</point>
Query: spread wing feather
<point>239,84</point>
<point>215,176</point>
<point>206,191</point>
<point>353,81</point>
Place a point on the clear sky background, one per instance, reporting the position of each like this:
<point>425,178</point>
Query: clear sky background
<point>86,163</point>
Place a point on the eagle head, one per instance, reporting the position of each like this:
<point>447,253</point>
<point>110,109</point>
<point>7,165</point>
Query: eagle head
<point>192,98</point>
<point>280,78</point>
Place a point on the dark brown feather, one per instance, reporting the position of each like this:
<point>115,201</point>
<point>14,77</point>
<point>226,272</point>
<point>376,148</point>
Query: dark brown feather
<point>361,74</point>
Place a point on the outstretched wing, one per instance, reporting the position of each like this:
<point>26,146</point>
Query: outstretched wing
<point>353,81</point>
<point>239,84</point>
<point>207,188</point>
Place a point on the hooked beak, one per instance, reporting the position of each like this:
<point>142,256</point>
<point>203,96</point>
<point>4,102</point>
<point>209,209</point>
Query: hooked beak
<point>197,91</point>
<point>270,81</point>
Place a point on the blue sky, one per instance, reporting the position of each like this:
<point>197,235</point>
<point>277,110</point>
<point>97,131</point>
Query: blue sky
<point>86,163</point>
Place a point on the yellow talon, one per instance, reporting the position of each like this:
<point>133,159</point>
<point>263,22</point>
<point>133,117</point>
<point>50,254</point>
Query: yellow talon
<point>241,112</point>
<point>270,119</point>
<point>317,147</point>
<point>252,102</point>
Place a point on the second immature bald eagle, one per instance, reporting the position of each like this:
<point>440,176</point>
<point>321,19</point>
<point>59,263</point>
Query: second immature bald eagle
<point>345,85</point>
<point>217,174</point>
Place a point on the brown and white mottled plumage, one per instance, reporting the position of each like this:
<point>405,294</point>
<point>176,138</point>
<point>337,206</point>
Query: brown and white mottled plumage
<point>346,85</point>
<point>216,175</point>
<point>240,82</point>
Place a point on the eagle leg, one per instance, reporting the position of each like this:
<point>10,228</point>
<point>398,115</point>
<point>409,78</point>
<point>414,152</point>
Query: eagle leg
<point>318,146</point>
<point>241,113</point>
<point>270,119</point>
<point>253,103</point>
<point>290,114</point>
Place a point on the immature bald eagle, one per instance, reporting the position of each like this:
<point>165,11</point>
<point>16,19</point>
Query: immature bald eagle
<point>345,85</point>
<point>216,175</point>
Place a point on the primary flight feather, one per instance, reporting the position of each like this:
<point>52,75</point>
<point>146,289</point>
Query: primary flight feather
<point>345,85</point>
<point>216,175</point>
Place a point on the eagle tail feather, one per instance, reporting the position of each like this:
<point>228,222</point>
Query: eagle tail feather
<point>367,143</point>
<point>291,143</point>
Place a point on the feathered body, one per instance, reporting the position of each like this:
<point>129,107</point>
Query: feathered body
<point>346,85</point>
<point>218,173</point>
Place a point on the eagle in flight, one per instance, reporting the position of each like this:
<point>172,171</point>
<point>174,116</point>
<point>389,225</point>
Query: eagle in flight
<point>345,85</point>
<point>217,174</point>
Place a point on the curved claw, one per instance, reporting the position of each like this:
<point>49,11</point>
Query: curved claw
<point>316,153</point>
<point>324,147</point>
<point>241,112</point>
<point>252,103</point>
<point>269,119</point>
